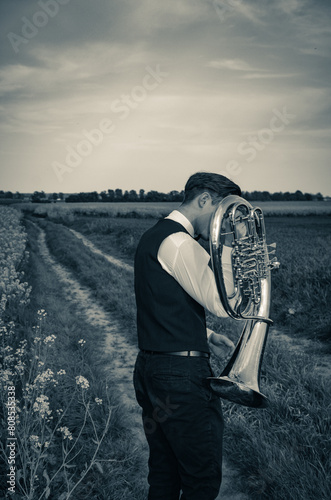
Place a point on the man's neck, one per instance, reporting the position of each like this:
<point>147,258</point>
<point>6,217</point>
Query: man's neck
<point>190,213</point>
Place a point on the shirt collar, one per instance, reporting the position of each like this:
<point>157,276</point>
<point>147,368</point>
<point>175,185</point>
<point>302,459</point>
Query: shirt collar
<point>177,216</point>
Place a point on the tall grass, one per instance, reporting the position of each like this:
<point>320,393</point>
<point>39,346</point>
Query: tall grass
<point>283,452</point>
<point>301,292</point>
<point>72,433</point>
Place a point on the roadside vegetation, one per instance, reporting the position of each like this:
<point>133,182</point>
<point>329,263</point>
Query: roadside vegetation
<point>71,429</point>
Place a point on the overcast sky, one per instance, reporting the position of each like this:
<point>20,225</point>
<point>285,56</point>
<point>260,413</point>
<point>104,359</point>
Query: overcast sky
<point>140,94</point>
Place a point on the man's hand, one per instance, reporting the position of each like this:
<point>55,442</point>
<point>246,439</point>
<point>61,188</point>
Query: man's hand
<point>227,233</point>
<point>241,229</point>
<point>220,345</point>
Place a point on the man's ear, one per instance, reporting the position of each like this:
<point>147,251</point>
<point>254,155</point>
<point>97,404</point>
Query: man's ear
<point>203,198</point>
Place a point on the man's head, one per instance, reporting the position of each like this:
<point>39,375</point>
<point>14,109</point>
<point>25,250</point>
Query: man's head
<point>217,185</point>
<point>203,191</point>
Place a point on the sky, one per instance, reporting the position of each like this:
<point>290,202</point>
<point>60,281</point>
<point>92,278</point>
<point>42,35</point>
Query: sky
<point>140,94</point>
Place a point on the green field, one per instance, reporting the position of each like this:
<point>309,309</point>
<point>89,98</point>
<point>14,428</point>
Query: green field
<point>156,210</point>
<point>282,452</point>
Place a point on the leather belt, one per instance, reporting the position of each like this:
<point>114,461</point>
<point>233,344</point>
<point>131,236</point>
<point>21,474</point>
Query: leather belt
<point>199,354</point>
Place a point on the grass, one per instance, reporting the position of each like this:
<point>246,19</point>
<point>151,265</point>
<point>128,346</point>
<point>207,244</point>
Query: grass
<point>117,471</point>
<point>282,452</point>
<point>302,286</point>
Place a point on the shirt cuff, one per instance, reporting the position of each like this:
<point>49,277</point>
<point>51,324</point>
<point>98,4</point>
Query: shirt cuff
<point>209,332</point>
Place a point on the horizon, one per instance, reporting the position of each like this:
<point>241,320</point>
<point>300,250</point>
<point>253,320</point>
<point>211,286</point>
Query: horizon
<point>143,95</point>
<point>47,193</point>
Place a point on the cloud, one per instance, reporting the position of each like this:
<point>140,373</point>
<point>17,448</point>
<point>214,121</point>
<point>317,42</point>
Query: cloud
<point>256,76</point>
<point>231,64</point>
<point>249,10</point>
<point>226,74</point>
<point>292,6</point>
<point>13,77</point>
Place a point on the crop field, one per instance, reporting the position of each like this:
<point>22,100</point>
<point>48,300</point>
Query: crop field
<point>74,304</point>
<point>157,210</point>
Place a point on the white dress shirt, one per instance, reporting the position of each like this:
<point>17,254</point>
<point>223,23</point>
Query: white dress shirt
<point>187,261</point>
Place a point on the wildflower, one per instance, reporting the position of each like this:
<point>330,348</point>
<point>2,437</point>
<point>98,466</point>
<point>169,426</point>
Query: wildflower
<point>6,376</point>
<point>81,341</point>
<point>20,368</point>
<point>8,360</point>
<point>45,377</point>
<point>82,382</point>
<point>291,310</point>
<point>66,433</point>
<point>49,339</point>
<point>35,441</point>
<point>21,351</point>
<point>61,372</point>
<point>41,406</point>
<point>98,401</point>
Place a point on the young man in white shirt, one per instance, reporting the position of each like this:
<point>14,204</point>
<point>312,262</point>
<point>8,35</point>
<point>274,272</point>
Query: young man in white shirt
<point>174,284</point>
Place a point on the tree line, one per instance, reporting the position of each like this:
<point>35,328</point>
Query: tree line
<point>118,195</point>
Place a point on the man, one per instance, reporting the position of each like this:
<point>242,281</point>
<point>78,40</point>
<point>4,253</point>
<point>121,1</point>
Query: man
<point>174,284</point>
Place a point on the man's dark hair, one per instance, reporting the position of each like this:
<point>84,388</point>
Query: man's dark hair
<point>217,185</point>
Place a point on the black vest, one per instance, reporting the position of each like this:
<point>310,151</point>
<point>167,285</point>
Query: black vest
<point>168,318</point>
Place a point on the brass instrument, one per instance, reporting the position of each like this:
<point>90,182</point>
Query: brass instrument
<point>250,301</point>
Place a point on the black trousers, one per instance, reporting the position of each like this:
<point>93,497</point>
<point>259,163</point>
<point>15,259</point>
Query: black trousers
<point>183,424</point>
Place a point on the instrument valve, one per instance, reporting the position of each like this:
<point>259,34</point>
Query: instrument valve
<point>274,264</point>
